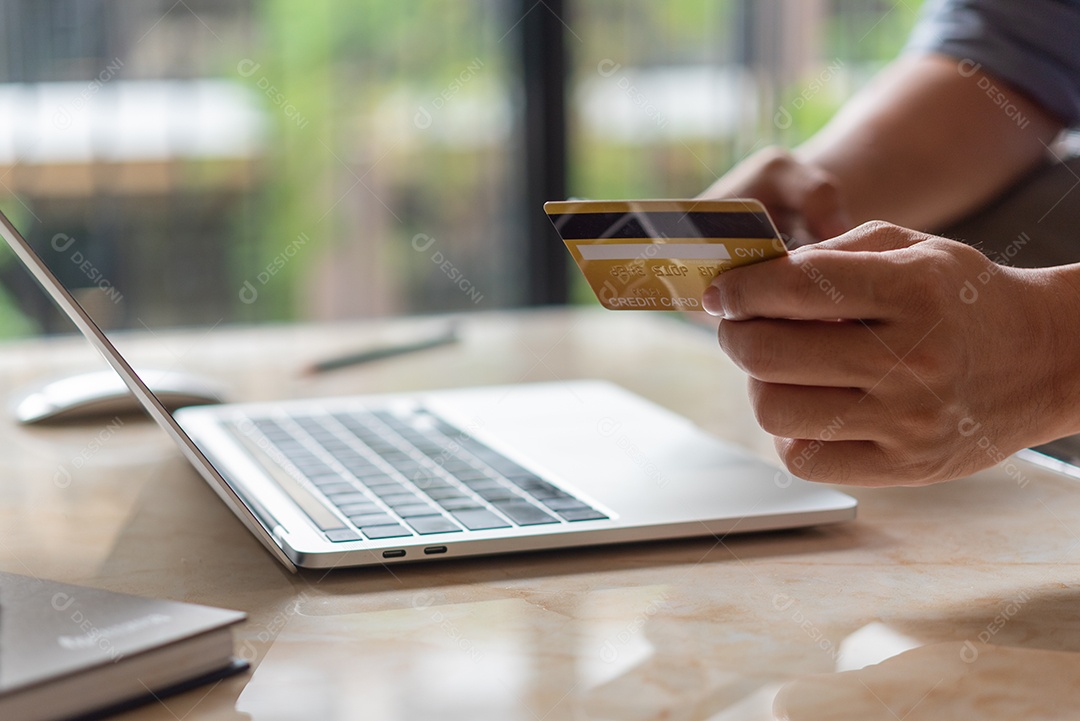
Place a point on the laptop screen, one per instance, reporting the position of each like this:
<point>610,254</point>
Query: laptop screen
<point>96,304</point>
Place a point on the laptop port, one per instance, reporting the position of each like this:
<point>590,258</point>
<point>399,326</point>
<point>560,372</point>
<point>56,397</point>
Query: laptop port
<point>396,553</point>
<point>432,550</point>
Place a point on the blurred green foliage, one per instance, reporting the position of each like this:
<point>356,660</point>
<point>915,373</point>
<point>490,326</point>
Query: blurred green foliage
<point>13,322</point>
<point>326,72</point>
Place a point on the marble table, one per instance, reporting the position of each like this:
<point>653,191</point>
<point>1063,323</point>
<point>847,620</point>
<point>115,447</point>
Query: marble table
<point>955,601</point>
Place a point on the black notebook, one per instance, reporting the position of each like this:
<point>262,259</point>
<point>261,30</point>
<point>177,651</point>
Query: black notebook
<point>74,652</point>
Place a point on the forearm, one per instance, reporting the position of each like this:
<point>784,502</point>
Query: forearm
<point>929,142</point>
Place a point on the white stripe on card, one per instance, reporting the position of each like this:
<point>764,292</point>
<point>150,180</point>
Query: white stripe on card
<point>658,251</point>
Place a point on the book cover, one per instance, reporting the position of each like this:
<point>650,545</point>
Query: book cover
<point>69,650</point>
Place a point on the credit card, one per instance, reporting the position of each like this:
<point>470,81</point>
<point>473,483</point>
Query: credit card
<point>662,254</point>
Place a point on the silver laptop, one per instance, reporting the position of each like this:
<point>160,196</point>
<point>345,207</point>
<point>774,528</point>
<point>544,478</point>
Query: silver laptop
<point>397,478</point>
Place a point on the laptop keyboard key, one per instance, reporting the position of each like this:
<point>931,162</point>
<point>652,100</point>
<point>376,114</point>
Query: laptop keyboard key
<point>388,531</point>
<point>415,509</point>
<point>479,519</point>
<point>340,535</point>
<point>537,488</point>
<point>459,503</point>
<point>496,495</point>
<point>368,471</point>
<point>343,499</point>
<point>443,491</point>
<point>524,514</point>
<point>565,502</point>
<point>359,509</point>
<point>372,519</point>
<point>334,488</point>
<point>582,514</point>
<point>427,525</point>
<point>400,499</point>
<point>383,487</point>
<point>471,475</point>
<point>384,490</point>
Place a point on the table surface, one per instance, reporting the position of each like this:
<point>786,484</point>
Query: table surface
<point>954,601</point>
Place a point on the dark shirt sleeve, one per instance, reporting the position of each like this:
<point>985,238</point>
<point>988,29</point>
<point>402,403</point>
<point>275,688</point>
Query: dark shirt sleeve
<point>1033,45</point>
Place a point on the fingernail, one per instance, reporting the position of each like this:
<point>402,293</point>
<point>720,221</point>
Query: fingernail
<point>710,301</point>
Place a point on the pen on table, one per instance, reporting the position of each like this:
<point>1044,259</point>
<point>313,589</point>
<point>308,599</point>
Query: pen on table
<point>444,337</point>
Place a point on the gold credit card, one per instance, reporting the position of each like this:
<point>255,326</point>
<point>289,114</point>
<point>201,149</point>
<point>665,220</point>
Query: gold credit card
<point>662,254</point>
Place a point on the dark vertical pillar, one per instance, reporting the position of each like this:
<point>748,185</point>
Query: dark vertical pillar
<point>544,70</point>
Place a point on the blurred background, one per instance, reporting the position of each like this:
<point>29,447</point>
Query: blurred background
<point>232,161</point>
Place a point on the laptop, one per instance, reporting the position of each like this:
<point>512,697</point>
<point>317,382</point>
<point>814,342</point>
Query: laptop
<point>395,478</point>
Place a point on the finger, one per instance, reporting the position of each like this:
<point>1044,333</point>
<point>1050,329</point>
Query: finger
<point>815,414</point>
<point>755,177</point>
<point>858,275</point>
<point>804,285</point>
<point>833,354</point>
<point>793,229</point>
<point>851,463</point>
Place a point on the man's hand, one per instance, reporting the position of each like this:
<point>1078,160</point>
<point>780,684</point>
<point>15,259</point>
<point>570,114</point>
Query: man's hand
<point>804,201</point>
<point>890,357</point>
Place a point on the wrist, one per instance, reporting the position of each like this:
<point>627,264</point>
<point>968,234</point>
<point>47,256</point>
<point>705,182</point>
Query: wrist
<point>1061,346</point>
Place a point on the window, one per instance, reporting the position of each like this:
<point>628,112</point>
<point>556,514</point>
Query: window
<point>228,161</point>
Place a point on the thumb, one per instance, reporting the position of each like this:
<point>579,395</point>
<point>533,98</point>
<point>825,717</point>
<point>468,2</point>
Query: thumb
<point>828,223</point>
<point>817,197</point>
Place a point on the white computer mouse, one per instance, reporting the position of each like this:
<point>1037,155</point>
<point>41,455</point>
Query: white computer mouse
<point>102,394</point>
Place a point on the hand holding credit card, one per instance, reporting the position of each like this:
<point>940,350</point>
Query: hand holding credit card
<point>662,254</point>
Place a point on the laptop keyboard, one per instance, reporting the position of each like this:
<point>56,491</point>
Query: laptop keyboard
<point>398,475</point>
